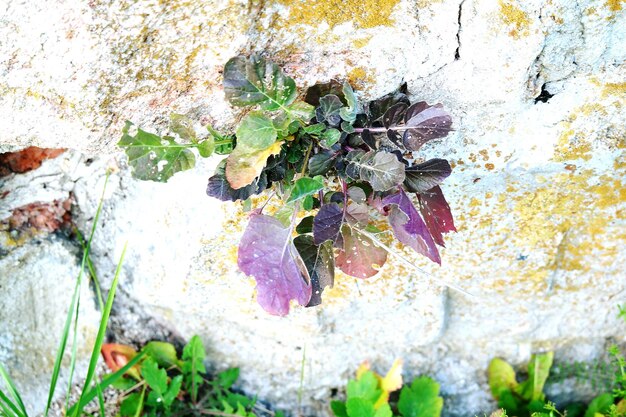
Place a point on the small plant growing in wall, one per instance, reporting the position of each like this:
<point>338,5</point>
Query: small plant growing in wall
<point>336,167</point>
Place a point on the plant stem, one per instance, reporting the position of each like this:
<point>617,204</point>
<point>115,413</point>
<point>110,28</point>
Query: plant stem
<point>408,263</point>
<point>306,159</point>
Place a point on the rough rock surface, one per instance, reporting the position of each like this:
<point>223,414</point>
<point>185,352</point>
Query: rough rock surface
<point>537,90</point>
<point>37,283</point>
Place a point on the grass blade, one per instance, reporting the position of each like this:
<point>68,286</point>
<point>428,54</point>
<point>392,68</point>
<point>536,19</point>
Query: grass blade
<point>8,408</point>
<point>13,392</point>
<point>100,399</point>
<point>95,354</point>
<point>63,344</point>
<point>106,382</point>
<point>74,347</point>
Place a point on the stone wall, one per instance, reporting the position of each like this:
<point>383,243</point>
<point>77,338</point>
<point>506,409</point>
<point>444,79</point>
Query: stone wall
<point>537,91</point>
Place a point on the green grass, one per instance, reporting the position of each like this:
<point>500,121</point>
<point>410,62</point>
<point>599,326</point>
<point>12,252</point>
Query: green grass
<point>11,404</point>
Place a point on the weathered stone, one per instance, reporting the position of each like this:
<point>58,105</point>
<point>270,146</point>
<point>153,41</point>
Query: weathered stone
<point>37,282</point>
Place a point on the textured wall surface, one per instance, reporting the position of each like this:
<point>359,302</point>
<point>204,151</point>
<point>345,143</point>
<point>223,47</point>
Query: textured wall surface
<point>538,188</point>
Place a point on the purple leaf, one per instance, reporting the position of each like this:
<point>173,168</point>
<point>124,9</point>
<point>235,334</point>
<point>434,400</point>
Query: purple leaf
<point>327,223</point>
<point>422,177</point>
<point>267,253</point>
<point>437,214</point>
<point>360,257</point>
<point>425,123</point>
<point>392,117</point>
<point>320,263</point>
<point>408,226</point>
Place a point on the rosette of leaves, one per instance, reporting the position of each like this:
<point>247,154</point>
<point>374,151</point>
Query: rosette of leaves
<point>164,383</point>
<point>336,166</point>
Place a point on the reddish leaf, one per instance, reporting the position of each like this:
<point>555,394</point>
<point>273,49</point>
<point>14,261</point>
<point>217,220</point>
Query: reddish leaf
<point>359,257</point>
<point>408,226</point>
<point>267,253</point>
<point>437,214</point>
<point>117,356</point>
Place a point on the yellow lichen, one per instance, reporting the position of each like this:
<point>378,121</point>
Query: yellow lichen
<point>614,89</point>
<point>572,146</point>
<point>359,77</point>
<point>515,18</point>
<point>363,14</point>
<point>361,42</point>
<point>615,5</point>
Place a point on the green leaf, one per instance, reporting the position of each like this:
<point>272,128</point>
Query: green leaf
<point>330,137</point>
<point>193,365</point>
<point>172,390</point>
<point>360,407</point>
<point>256,131</point>
<point>155,377</point>
<point>349,113</point>
<point>347,127</point>
<point>339,408</point>
<point>162,352</point>
<point>302,110</point>
<point>321,162</point>
<point>328,110</point>
<point>599,405</point>
<point>538,372</point>
<point>305,225</point>
<point>183,127</point>
<point>384,411</point>
<point>421,399</point>
<point>305,186</point>
<point>124,383</point>
<point>206,147</point>
<point>227,378</point>
<point>251,81</point>
<point>132,405</point>
<point>154,158</point>
<point>223,144</point>
<point>381,169</point>
<point>365,387</point>
<point>315,129</point>
<point>501,377</point>
<point>308,202</point>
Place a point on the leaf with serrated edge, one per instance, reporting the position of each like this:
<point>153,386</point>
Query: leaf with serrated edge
<point>256,131</point>
<point>244,165</point>
<point>360,257</point>
<point>154,158</point>
<point>408,226</point>
<point>437,214</point>
<point>420,399</point>
<point>381,169</point>
<point>267,253</point>
<point>422,177</point>
<point>320,263</point>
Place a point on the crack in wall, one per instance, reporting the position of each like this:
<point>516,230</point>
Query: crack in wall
<point>457,53</point>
